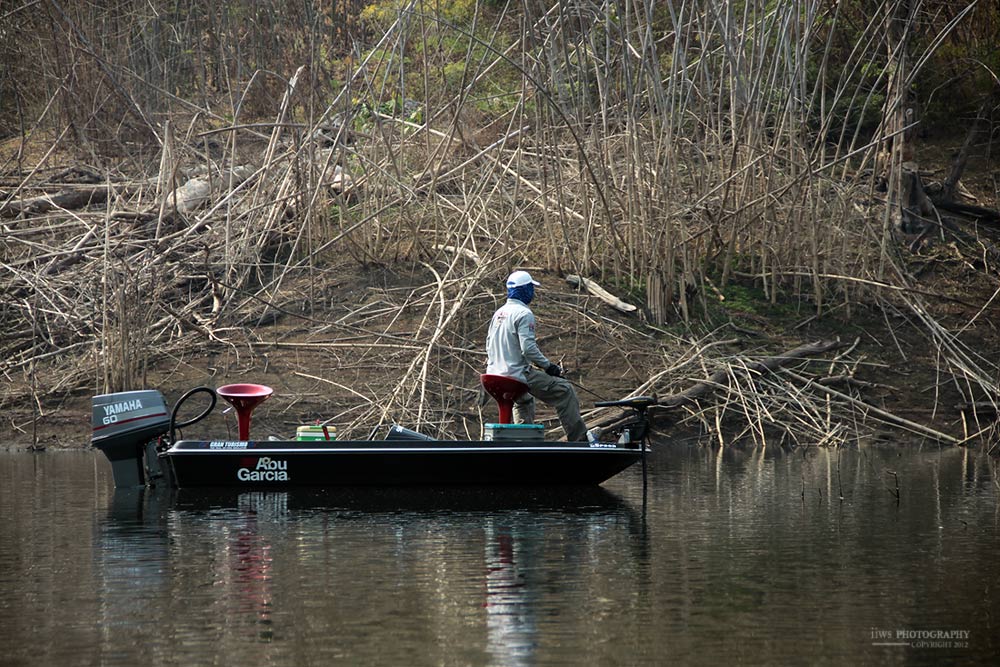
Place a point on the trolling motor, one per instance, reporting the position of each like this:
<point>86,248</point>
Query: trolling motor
<point>128,426</point>
<point>634,425</point>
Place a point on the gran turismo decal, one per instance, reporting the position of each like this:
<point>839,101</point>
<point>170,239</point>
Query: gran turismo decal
<point>227,444</point>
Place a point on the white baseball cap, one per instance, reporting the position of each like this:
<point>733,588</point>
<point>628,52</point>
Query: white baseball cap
<point>519,278</point>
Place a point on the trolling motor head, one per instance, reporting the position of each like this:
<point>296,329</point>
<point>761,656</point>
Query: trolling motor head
<point>123,423</point>
<point>637,403</point>
<point>635,422</point>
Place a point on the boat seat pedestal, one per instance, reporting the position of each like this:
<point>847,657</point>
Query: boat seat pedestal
<point>505,390</point>
<point>244,397</point>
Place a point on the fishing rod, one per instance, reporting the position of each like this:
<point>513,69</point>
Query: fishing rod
<point>577,384</point>
<point>580,386</point>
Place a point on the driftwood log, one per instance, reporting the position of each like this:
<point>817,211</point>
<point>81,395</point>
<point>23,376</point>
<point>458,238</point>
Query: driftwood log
<point>601,293</point>
<point>706,387</point>
<point>194,193</point>
<point>66,199</point>
<point>988,215</point>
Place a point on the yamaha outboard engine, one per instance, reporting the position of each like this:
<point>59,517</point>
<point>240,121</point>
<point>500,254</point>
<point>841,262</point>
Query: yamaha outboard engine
<point>125,426</point>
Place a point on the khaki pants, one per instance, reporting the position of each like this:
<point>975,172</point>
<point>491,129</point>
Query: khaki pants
<point>558,393</point>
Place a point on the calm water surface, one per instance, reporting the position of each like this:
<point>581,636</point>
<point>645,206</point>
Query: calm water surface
<point>736,557</point>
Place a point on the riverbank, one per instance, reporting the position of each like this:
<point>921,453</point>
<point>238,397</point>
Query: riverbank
<point>357,352</point>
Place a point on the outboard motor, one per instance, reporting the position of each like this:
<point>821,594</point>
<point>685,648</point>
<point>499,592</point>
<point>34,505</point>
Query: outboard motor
<point>125,425</point>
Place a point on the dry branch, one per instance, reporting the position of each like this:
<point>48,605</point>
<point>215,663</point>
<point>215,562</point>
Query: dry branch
<point>701,389</point>
<point>601,293</point>
<point>885,415</point>
<point>465,252</point>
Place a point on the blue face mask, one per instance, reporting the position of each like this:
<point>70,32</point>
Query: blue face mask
<point>523,293</point>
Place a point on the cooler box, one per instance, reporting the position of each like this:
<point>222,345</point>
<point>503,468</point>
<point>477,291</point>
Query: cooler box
<point>515,433</point>
<point>313,433</point>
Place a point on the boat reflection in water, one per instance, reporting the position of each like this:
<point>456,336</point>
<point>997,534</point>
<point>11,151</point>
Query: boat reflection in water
<point>332,570</point>
<point>510,621</point>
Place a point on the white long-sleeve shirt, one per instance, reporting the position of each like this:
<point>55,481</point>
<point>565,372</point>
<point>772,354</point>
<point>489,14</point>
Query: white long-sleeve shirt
<point>511,347</point>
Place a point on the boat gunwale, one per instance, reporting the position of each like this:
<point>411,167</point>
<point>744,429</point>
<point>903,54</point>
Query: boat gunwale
<point>202,447</point>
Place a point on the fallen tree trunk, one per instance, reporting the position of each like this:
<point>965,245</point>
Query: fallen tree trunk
<point>702,389</point>
<point>186,198</point>
<point>718,379</point>
<point>946,195</point>
<point>68,199</point>
<point>984,214</point>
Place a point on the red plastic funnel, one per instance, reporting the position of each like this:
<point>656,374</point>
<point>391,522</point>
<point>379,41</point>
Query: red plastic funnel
<point>505,390</point>
<point>244,397</point>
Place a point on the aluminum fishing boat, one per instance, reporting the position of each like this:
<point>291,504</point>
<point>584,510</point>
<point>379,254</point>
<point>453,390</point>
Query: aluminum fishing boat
<point>138,435</point>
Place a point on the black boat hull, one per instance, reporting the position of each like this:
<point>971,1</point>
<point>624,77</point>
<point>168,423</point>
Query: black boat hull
<point>280,464</point>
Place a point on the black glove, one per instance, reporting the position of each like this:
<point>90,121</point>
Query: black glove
<point>554,370</point>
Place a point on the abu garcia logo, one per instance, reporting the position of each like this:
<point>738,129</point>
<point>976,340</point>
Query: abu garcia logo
<point>267,470</point>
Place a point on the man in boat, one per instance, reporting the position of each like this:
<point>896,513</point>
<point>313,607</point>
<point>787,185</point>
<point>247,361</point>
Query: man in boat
<point>512,351</point>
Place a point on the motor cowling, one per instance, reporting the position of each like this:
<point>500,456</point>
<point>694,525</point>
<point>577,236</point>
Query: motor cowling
<point>123,423</point>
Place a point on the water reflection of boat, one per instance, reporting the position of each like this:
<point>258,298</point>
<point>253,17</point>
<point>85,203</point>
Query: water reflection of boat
<point>369,500</point>
<point>282,561</point>
<point>512,632</point>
